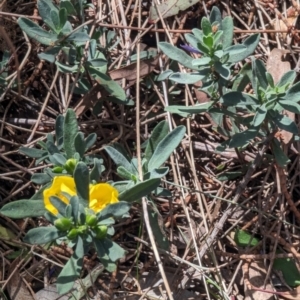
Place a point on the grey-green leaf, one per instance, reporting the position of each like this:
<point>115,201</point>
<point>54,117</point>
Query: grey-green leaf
<point>238,99</point>
<point>24,209</point>
<point>166,147</point>
<point>159,132</point>
<point>70,131</point>
<point>177,54</point>
<point>119,159</point>
<point>42,235</point>
<point>82,181</point>
<point>116,210</point>
<point>139,190</point>
<point>36,32</point>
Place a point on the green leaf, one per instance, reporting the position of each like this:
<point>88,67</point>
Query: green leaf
<point>90,141</point>
<point>82,181</point>
<point>227,27</point>
<point>110,85</point>
<point>259,75</point>
<point>293,93</point>
<point>74,202</point>
<point>176,109</point>
<point>70,131</point>
<point>244,239</point>
<point>290,106</point>
<point>158,232</point>
<point>206,26</point>
<point>230,175</point>
<point>33,152</point>
<point>62,17</point>
<point>285,123</point>
<point>192,40</point>
<point>166,147</point>
<point>215,16</point>
<point>24,209</point>
<point>113,250</point>
<point>201,61</point>
<point>44,7</point>
<point>58,204</point>
<point>187,78</point>
<point>68,6</point>
<point>288,269</point>
<point>40,178</point>
<point>238,99</point>
<point>97,170</point>
<point>208,41</point>
<point>177,55</point>
<point>287,78</point>
<point>279,155</point>
<point>119,159</point>
<point>64,68</point>
<point>223,71</point>
<point>36,32</point>
<point>50,54</point>
<point>72,268</point>
<point>260,115</point>
<point>55,19</point>
<point>250,43</point>
<point>78,37</point>
<point>139,190</point>
<point>42,235</point>
<point>234,50</point>
<point>158,133</point>
<point>116,210</point>
<point>243,78</point>
<point>59,131</point>
<point>198,34</point>
<point>189,110</point>
<point>243,138</point>
<point>79,143</point>
<point>124,173</point>
<point>164,75</point>
<point>156,173</point>
<point>270,79</point>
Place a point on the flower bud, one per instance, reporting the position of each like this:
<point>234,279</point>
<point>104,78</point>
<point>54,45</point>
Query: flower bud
<point>63,224</point>
<point>57,169</point>
<point>101,231</point>
<point>73,233</point>
<point>82,229</point>
<point>91,220</point>
<point>70,165</point>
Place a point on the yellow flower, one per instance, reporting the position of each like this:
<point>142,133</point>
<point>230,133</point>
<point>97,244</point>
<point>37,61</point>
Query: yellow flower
<point>100,194</point>
<point>60,185</point>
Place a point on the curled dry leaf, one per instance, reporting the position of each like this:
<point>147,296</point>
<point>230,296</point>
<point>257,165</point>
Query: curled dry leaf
<point>169,8</point>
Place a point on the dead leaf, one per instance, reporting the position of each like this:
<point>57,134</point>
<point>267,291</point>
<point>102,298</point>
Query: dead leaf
<point>129,72</point>
<point>16,288</point>
<point>257,275</point>
<point>90,99</point>
<point>279,24</point>
<point>277,68</point>
<point>169,8</point>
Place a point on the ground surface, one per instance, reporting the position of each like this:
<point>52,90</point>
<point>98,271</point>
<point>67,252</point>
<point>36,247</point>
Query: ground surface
<point>203,261</point>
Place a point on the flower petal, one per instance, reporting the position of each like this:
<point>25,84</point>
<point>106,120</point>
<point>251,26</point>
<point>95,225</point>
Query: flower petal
<point>60,185</point>
<point>101,195</point>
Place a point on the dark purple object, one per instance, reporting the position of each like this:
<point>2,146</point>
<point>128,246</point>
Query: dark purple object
<point>190,49</point>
